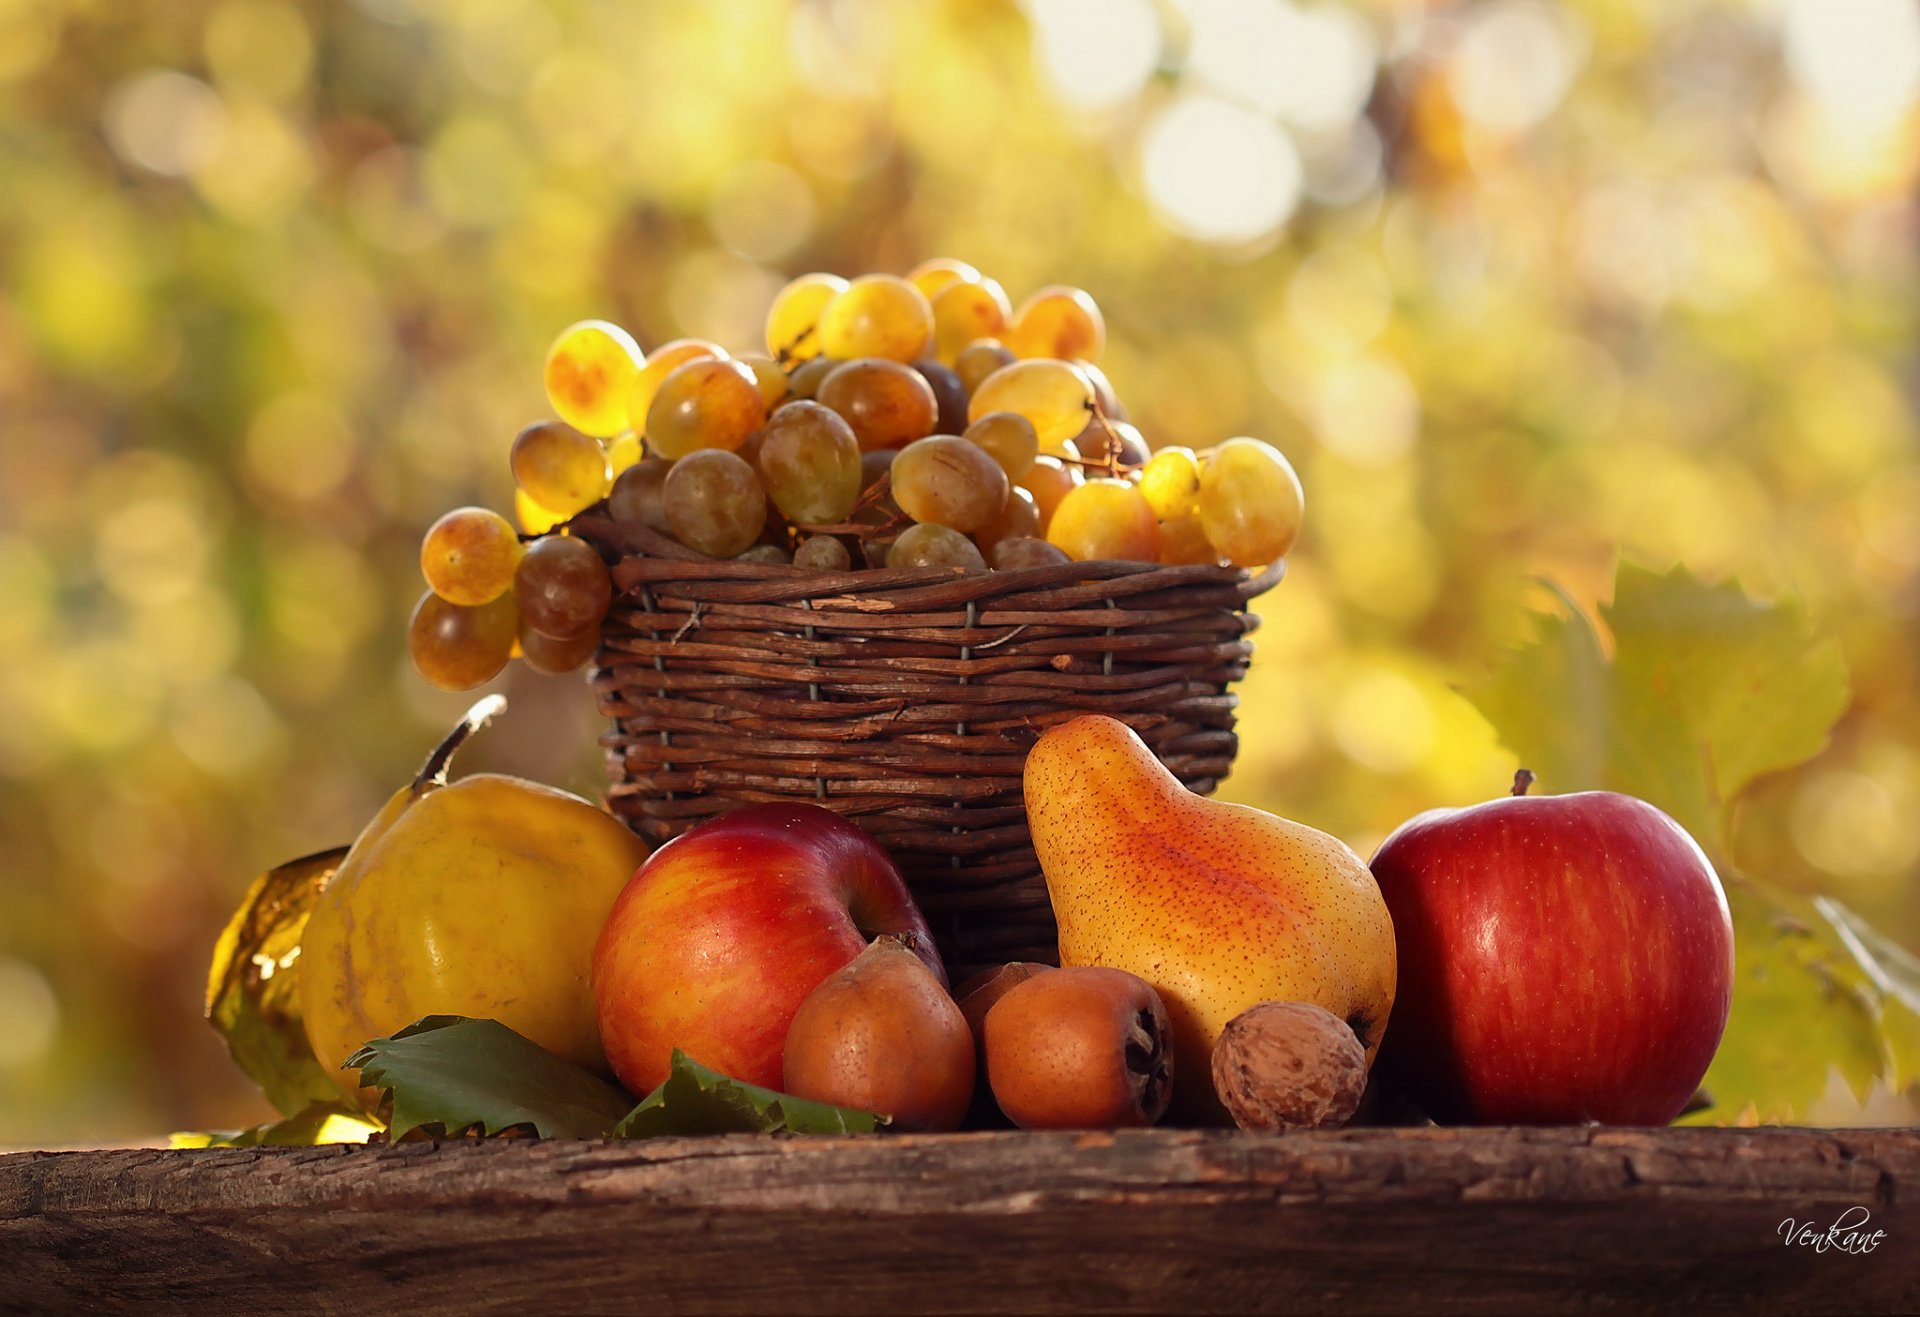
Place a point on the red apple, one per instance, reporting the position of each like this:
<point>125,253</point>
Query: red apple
<point>1563,959</point>
<point>721,934</point>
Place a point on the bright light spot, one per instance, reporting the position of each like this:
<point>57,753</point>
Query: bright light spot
<point>1343,166</point>
<point>300,446</point>
<point>29,1013</point>
<point>1218,172</point>
<point>225,727</point>
<point>1381,720</point>
<point>1856,824</point>
<point>1312,67</point>
<point>152,550</point>
<point>1097,53</point>
<point>1365,409</point>
<point>165,122</point>
<point>1860,59</point>
<point>1339,299</point>
<point>718,296</point>
<point>1623,245</point>
<point>1514,63</point>
<point>763,210</point>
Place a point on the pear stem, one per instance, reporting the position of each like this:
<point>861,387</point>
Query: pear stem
<point>433,773</point>
<point>1522,780</point>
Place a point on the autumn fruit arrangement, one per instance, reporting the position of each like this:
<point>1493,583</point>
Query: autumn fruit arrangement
<point>917,421</point>
<point>495,957</point>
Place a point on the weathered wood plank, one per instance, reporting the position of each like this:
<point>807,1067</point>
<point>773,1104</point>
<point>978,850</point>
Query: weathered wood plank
<point>1493,1220</point>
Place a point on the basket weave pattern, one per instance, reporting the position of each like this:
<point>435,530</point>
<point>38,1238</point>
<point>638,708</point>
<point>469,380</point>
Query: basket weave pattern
<point>906,699</point>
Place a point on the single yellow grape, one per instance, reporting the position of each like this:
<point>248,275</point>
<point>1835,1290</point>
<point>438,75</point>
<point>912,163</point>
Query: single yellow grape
<point>979,359</point>
<point>666,359</point>
<point>468,556</point>
<point>964,313</point>
<point>715,503</point>
<point>949,480</point>
<point>772,381</point>
<point>805,381</point>
<point>623,452</point>
<point>929,544</point>
<point>1009,439</point>
<point>793,321</point>
<point>559,468</point>
<point>704,404</point>
<point>1049,480</point>
<point>886,403</point>
<point>1105,518</point>
<point>562,586</point>
<point>1058,322</point>
<point>556,657</point>
<point>1019,519</point>
<point>1022,551</point>
<point>1171,482</point>
<point>589,368</point>
<point>938,273</point>
<point>822,553</point>
<point>1184,542</point>
<point>1052,394</point>
<point>877,316</point>
<point>1251,503</point>
<point>457,648</point>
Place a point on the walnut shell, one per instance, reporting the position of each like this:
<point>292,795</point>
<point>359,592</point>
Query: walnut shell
<point>1286,1065</point>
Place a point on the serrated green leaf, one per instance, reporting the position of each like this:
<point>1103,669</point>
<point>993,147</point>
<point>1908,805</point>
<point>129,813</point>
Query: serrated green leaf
<point>1549,701</point>
<point>694,1099</point>
<point>323,1122</point>
<point>252,986</point>
<point>1894,974</point>
<point>450,1074</point>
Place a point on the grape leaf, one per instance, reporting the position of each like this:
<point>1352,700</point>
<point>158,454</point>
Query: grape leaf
<point>323,1122</point>
<point>252,986</point>
<point>449,1074</point>
<point>694,1099</point>
<point>1706,691</point>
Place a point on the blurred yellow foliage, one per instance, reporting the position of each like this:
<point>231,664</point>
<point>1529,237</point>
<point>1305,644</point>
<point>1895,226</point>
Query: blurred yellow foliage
<point>1519,286</point>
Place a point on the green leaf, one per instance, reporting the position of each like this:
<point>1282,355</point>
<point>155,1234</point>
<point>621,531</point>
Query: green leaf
<point>323,1122</point>
<point>696,1100</point>
<point>449,1074</point>
<point>1706,691</point>
<point>252,986</point>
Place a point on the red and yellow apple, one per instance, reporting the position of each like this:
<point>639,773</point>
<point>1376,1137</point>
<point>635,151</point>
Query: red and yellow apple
<point>1563,959</point>
<point>723,932</point>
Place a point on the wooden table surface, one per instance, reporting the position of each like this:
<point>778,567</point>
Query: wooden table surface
<point>1367,1220</point>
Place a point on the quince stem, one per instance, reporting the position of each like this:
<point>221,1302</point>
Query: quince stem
<point>433,773</point>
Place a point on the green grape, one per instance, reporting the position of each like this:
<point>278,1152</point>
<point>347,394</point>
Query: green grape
<point>886,403</point>
<point>1012,555</point>
<point>1115,441</point>
<point>1009,439</point>
<point>979,359</point>
<point>666,359</point>
<point>964,313</point>
<point>563,587</point>
<point>638,494</point>
<point>1059,322</point>
<point>1251,503</point>
<point>949,396</point>
<point>1019,519</point>
<point>457,648</point>
<point>822,553</point>
<point>559,468</point>
<point>1171,483</point>
<point>877,316</point>
<point>932,545</point>
<point>556,657</point>
<point>589,368</point>
<point>704,404</point>
<point>806,379</point>
<point>1104,519</point>
<point>1052,394</point>
<point>468,556</point>
<point>715,503</point>
<point>793,321</point>
<point>809,462</point>
<point>949,481</point>
<point>938,273</point>
<point>1049,480</point>
<point>770,553</point>
<point>767,375</point>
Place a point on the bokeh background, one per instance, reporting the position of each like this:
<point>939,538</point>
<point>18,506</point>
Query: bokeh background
<point>1520,286</point>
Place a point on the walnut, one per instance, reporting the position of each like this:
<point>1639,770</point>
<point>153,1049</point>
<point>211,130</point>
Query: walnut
<point>1286,1065</point>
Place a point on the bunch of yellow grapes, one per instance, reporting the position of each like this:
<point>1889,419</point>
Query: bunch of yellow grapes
<point>891,422</point>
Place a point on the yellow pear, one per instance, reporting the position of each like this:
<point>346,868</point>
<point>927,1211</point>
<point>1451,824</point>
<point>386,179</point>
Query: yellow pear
<point>482,898</point>
<point>1220,907</point>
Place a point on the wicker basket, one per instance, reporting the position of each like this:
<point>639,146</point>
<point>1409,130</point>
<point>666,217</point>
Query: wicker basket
<point>905,699</point>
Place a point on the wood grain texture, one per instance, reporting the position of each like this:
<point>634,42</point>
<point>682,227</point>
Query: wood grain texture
<point>1448,1221</point>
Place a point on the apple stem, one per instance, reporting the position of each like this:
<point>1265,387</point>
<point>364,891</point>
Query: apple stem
<point>1522,780</point>
<point>433,773</point>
